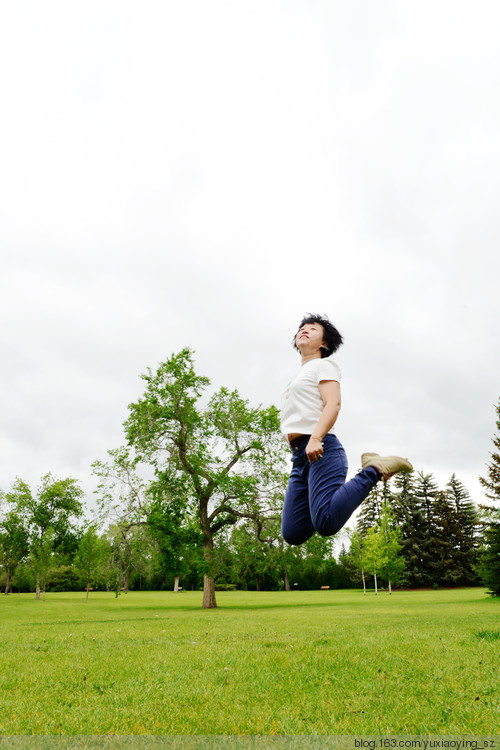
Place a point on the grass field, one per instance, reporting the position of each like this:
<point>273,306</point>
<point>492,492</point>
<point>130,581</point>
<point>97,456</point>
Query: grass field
<point>287,663</point>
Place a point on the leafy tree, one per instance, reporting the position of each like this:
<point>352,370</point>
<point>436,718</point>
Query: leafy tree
<point>138,508</point>
<point>285,559</point>
<point>357,555</point>
<point>251,558</point>
<point>49,515</point>
<point>40,557</point>
<point>373,552</point>
<point>391,564</point>
<point>261,554</point>
<point>317,558</point>
<point>178,540</point>
<point>124,557</point>
<point>122,492</point>
<point>92,552</point>
<point>61,577</point>
<point>14,544</point>
<point>347,575</point>
<point>380,549</point>
<point>225,460</point>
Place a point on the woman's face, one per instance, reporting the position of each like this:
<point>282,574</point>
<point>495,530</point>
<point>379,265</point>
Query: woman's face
<point>310,338</point>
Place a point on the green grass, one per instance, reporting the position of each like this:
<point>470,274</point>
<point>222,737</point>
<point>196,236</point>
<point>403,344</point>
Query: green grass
<point>329,662</point>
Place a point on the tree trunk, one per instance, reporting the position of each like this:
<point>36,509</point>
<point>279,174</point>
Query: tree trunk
<point>88,586</point>
<point>176,584</point>
<point>208,593</point>
<point>390,590</point>
<point>7,584</point>
<point>364,581</point>
<point>375,577</point>
<point>287,582</point>
<point>37,595</point>
<point>257,584</point>
<point>208,583</point>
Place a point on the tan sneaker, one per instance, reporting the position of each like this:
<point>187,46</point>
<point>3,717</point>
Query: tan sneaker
<point>386,465</point>
<point>366,457</point>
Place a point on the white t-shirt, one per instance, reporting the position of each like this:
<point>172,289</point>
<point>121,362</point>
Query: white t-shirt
<point>301,402</point>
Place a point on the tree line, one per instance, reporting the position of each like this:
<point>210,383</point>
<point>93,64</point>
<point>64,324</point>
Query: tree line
<point>417,535</point>
<point>193,499</point>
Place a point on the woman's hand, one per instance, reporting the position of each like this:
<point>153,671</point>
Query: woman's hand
<point>314,449</point>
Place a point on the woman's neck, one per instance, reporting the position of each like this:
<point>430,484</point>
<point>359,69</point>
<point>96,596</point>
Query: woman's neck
<point>307,357</point>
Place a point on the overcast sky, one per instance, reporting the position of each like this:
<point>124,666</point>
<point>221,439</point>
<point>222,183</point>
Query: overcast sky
<point>202,173</point>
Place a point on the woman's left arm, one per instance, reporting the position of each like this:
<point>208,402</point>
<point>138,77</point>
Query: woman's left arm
<point>330,394</point>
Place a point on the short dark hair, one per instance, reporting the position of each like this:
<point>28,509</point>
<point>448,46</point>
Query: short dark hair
<point>332,338</point>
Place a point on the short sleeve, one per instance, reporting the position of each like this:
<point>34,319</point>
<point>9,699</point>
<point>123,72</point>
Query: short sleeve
<point>328,370</point>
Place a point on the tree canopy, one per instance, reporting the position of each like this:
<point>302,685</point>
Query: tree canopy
<point>215,457</point>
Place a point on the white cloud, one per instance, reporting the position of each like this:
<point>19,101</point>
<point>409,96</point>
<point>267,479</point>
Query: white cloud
<point>203,174</point>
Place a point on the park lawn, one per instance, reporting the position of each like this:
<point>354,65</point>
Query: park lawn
<point>285,663</point>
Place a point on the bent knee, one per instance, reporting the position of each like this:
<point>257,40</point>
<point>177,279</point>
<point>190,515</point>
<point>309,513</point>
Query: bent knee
<point>324,528</point>
<point>293,539</point>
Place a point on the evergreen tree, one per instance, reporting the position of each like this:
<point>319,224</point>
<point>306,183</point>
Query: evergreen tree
<point>371,508</point>
<point>491,482</point>
<point>410,520</point>
<point>427,542</point>
<point>443,550</point>
<point>403,503</point>
<point>489,562</point>
<point>346,572</point>
<point>466,528</point>
<point>490,558</point>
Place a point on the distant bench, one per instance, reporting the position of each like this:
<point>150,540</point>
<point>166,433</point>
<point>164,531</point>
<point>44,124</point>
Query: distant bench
<point>325,588</point>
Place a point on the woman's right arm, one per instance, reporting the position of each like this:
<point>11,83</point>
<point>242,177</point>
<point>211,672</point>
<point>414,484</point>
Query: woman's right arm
<point>330,394</point>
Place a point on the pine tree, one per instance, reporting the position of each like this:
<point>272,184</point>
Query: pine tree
<point>443,548</point>
<point>491,482</point>
<point>410,520</point>
<point>489,566</point>
<point>426,490</point>
<point>467,525</point>
<point>403,504</point>
<point>371,508</point>
<point>490,558</point>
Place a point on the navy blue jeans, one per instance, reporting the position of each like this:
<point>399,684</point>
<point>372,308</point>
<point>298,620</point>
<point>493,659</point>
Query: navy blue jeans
<point>317,497</point>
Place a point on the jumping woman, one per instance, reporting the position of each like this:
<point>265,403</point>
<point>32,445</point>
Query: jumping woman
<point>317,497</point>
